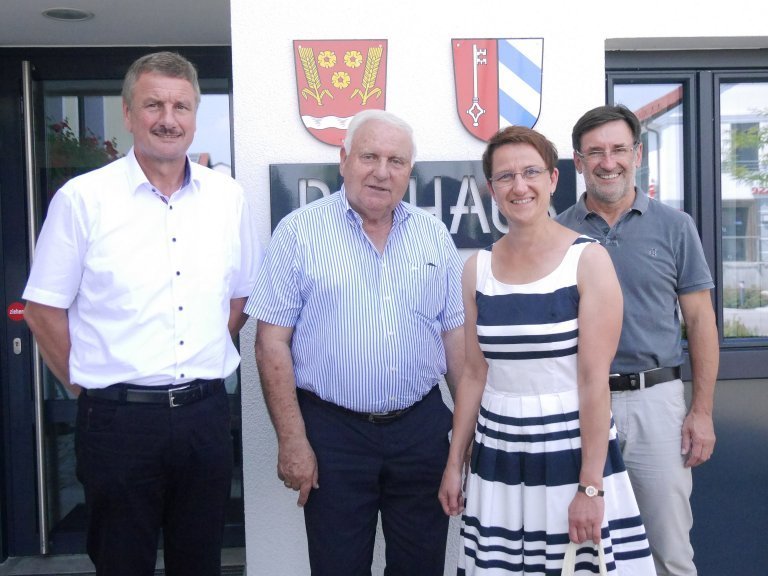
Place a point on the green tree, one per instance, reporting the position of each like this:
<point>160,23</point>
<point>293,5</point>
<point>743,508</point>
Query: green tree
<point>752,138</point>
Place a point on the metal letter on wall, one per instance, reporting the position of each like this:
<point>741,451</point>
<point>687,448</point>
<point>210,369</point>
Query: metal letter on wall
<point>455,192</point>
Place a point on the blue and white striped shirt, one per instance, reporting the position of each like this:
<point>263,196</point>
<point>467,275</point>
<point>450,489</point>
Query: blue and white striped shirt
<point>367,326</point>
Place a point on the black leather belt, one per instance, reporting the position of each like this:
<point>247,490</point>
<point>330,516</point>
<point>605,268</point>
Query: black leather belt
<point>172,396</point>
<point>372,417</point>
<point>640,380</point>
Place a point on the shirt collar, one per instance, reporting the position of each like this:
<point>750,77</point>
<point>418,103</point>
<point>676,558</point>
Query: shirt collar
<point>137,178</point>
<point>400,213</point>
<point>641,201</point>
<point>640,205</point>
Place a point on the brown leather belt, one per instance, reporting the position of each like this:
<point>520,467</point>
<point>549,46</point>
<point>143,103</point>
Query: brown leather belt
<point>172,396</point>
<point>640,380</point>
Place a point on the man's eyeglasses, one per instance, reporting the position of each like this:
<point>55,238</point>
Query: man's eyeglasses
<point>506,180</point>
<point>618,153</point>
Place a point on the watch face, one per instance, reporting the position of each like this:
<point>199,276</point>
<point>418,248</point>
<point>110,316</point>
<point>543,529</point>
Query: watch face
<point>591,491</point>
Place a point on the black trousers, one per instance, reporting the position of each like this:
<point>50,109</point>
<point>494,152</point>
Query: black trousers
<point>365,469</point>
<point>147,468</point>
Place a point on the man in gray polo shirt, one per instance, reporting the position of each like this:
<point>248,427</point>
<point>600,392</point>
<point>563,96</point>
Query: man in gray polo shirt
<point>660,263</point>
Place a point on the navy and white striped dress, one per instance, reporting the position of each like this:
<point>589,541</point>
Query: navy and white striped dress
<point>527,452</point>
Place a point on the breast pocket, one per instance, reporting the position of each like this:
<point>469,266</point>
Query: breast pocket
<point>424,290</point>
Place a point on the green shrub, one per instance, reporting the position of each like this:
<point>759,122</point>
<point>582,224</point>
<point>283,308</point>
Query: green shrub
<point>753,298</point>
<point>735,329</point>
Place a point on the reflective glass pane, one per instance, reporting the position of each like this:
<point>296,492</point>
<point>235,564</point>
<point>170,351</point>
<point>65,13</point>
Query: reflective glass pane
<point>660,110</point>
<point>744,184</point>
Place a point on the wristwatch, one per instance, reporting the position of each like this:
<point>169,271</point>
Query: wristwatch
<point>591,491</point>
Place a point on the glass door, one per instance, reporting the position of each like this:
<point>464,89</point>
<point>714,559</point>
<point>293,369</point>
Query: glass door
<point>73,124</point>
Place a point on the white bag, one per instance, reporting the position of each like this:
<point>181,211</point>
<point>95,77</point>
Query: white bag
<point>569,561</point>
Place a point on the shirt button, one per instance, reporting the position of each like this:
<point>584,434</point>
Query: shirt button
<point>181,342</point>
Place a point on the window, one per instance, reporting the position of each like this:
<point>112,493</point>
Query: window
<point>705,134</point>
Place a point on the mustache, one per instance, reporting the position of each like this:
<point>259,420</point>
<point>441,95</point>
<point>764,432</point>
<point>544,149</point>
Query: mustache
<point>164,131</point>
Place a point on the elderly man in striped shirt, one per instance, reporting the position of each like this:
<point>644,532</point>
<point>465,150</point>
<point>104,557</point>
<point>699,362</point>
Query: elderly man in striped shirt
<point>360,317</point>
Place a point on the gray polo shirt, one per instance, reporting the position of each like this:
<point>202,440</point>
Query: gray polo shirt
<point>657,254</point>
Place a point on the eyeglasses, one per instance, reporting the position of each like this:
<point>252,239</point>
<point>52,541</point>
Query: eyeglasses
<point>618,153</point>
<point>506,180</point>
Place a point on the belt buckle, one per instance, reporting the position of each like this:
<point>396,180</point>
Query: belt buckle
<point>377,417</point>
<point>384,417</point>
<point>636,380</point>
<point>172,399</point>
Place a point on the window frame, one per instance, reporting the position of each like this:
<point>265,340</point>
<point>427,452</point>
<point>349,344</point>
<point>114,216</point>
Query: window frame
<point>701,72</point>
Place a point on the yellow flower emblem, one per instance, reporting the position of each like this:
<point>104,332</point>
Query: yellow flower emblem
<point>340,80</point>
<point>326,59</point>
<point>353,58</point>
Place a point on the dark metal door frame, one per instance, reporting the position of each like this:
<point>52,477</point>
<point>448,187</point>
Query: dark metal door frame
<point>23,523</point>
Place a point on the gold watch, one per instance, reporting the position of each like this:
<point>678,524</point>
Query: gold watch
<point>591,491</point>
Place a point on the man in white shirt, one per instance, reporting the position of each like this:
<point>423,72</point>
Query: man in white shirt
<point>141,273</point>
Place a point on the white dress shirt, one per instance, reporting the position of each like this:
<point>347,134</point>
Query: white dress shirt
<point>147,280</point>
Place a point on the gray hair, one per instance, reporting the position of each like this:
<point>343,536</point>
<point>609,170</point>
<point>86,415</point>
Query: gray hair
<point>361,118</point>
<point>168,64</point>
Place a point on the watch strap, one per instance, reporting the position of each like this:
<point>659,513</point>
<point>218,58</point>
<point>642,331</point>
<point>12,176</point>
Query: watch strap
<point>591,491</point>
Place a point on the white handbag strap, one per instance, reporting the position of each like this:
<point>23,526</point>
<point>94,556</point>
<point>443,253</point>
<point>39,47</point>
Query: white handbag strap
<point>569,560</point>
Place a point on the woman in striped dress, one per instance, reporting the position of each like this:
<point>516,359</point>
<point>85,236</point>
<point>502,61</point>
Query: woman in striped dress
<point>543,317</point>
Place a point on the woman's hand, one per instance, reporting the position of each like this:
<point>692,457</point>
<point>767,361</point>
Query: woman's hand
<point>451,495</point>
<point>585,518</point>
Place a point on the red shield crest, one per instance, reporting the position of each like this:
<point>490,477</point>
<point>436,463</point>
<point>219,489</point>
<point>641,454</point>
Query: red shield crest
<point>335,80</point>
<point>498,83</point>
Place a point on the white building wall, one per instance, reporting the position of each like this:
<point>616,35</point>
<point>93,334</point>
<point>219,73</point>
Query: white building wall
<point>268,129</point>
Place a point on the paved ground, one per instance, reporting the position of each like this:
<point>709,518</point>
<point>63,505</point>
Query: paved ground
<point>232,562</point>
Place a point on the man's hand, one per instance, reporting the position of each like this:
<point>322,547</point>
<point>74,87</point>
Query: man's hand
<point>698,438</point>
<point>297,467</point>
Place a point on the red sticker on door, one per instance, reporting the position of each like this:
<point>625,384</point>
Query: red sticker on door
<point>16,311</point>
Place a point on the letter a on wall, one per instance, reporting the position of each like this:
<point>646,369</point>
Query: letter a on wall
<point>498,83</point>
<point>335,80</point>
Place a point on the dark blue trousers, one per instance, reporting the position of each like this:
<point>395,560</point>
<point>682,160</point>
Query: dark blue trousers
<point>394,469</point>
<point>148,467</point>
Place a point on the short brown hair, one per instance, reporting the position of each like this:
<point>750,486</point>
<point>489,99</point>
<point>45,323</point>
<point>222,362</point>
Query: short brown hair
<point>602,115</point>
<point>519,135</point>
